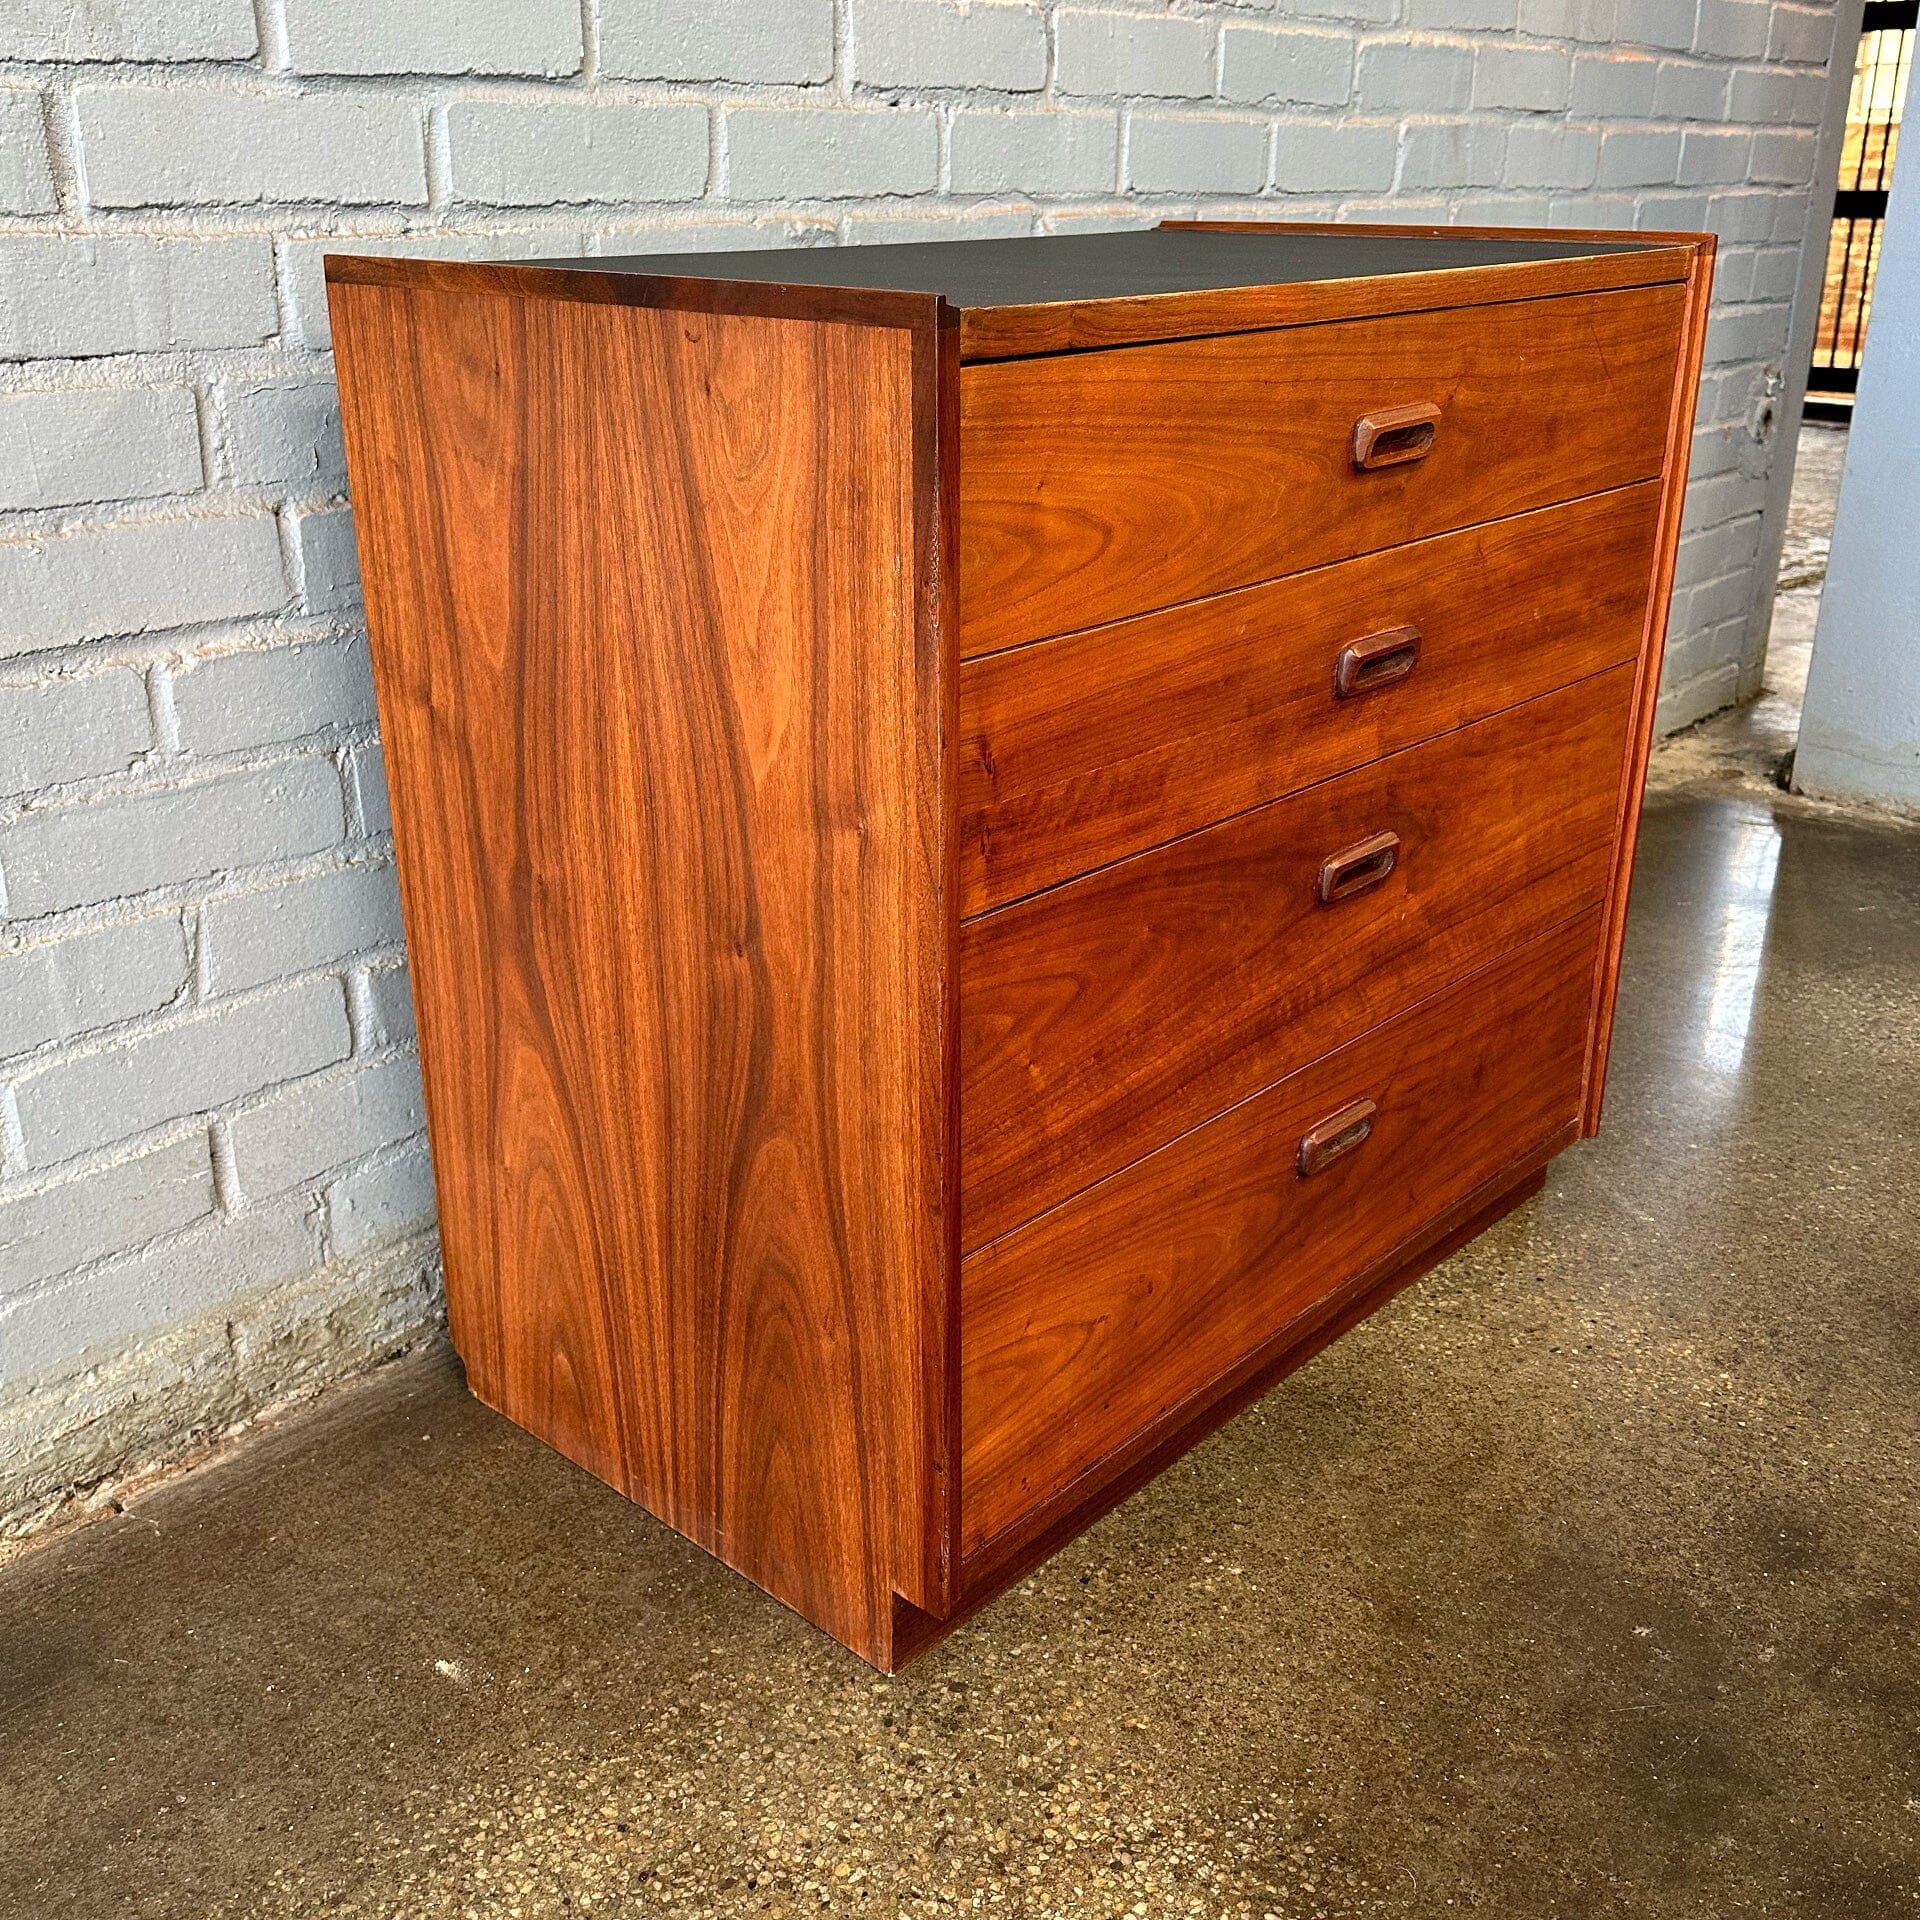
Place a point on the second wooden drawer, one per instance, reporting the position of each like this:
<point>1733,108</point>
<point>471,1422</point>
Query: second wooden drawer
<point>1100,1019</point>
<point>1078,751</point>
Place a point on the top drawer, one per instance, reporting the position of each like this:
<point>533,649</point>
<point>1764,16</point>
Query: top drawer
<point>1098,485</point>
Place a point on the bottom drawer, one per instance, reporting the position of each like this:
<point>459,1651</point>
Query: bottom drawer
<point>1082,1327</point>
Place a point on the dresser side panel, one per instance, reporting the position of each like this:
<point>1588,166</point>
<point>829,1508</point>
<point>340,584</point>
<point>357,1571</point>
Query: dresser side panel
<point>649,598</point>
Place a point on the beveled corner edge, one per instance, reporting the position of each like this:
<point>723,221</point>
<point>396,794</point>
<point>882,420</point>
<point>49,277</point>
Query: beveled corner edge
<point>762,299</point>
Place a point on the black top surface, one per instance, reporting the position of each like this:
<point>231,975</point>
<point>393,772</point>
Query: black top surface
<point>1106,266</point>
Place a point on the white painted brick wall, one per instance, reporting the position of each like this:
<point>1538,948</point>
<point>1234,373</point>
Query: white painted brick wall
<point>252,939</point>
<point>136,576</point>
<point>522,153</point>
<point>146,1196</point>
<point>829,152</point>
<point>209,1097</point>
<point>202,146</point>
<point>254,698</point>
<point>97,978</point>
<point>283,433</point>
<point>325,1122</point>
<point>1000,45</point>
<point>70,727</point>
<point>68,30</point>
<point>1002,151</point>
<point>1286,66</point>
<point>178,1066</point>
<point>743,41</point>
<point>69,295</point>
<point>1116,52</point>
<point>1184,153</point>
<point>67,448</point>
<point>479,36</point>
<point>82,851</point>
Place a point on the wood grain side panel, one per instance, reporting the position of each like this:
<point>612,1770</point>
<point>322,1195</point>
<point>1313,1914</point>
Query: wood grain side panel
<point>1673,501</point>
<point>1065,326</point>
<point>1101,485</point>
<point>1086,1327</point>
<point>1102,1018</point>
<point>1078,751</point>
<point>643,592</point>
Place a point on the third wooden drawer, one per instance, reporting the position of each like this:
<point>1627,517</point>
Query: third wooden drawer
<point>1083,1330</point>
<point>1077,751</point>
<point>1100,1019</point>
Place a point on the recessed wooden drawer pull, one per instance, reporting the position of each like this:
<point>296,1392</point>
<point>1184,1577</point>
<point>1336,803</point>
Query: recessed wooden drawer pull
<point>1394,435</point>
<point>1375,662</point>
<point>1356,868</point>
<point>1339,1133</point>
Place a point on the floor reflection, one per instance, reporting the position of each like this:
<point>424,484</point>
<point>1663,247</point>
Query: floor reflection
<point>1745,889</point>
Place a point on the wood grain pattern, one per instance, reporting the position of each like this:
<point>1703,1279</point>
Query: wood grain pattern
<point>1084,1328</point>
<point>1646,698</point>
<point>1077,751</point>
<point>995,333</point>
<point>650,595</point>
<point>1103,1018</point>
<point>1098,486</point>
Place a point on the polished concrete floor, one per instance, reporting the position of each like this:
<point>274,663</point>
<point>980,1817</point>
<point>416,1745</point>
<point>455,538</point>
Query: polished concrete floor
<point>1582,1581</point>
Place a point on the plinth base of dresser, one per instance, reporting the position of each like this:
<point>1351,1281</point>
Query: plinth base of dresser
<point>990,1571</point>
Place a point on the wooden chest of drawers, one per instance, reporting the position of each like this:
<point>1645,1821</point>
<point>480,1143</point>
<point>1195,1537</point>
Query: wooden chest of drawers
<point>998,840</point>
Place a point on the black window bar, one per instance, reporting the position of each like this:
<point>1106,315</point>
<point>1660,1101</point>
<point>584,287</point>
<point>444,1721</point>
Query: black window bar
<point>1880,77</point>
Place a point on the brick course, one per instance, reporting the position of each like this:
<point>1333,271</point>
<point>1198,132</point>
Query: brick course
<point>517,153</point>
<point>745,41</point>
<point>165,146</point>
<point>67,296</point>
<point>177,1066</point>
<point>71,726</point>
<point>91,979</point>
<point>382,36</point>
<point>996,44</point>
<point>128,30</point>
<point>68,448</point>
<point>208,1084</point>
<point>1290,66</point>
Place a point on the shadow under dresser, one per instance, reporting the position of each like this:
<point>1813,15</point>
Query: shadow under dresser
<point>999,839</point>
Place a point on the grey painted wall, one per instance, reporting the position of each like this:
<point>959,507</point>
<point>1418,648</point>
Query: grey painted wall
<point>213,1183</point>
<point>1860,726</point>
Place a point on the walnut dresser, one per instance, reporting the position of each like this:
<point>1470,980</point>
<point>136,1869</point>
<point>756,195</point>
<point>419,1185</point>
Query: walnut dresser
<point>998,839</point>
